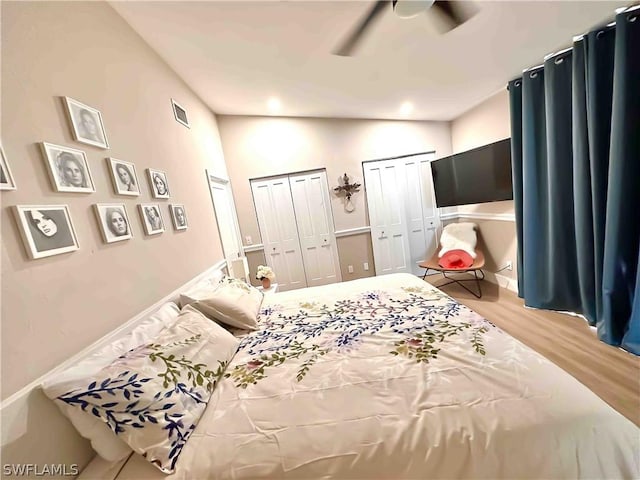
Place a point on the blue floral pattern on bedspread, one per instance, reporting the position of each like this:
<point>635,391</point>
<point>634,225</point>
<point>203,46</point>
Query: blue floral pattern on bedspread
<point>419,322</point>
<point>178,392</point>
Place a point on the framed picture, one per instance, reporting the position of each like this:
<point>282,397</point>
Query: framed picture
<point>86,123</point>
<point>124,176</point>
<point>6,178</point>
<point>180,114</point>
<point>159,184</point>
<point>114,222</point>
<point>46,229</point>
<point>68,168</point>
<point>179,217</point>
<point>151,218</point>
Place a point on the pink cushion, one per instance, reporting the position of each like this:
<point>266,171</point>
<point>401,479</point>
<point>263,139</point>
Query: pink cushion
<point>456,260</point>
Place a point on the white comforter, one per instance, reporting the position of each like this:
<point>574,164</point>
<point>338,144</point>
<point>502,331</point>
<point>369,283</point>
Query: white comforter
<point>388,377</point>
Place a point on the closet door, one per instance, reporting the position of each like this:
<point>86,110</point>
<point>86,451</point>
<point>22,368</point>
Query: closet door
<point>389,232</point>
<point>310,194</point>
<point>277,223</point>
<point>419,209</point>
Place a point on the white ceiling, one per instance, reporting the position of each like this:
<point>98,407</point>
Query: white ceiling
<point>236,54</point>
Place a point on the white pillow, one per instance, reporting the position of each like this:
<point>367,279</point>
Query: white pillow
<point>103,440</point>
<point>459,236</point>
<point>200,289</point>
<point>232,302</point>
<point>154,395</point>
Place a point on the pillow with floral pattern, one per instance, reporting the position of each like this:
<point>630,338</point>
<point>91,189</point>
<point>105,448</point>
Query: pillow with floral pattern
<point>153,396</point>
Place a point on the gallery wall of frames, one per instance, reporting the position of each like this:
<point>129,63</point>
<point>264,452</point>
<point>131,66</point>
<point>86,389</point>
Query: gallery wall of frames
<point>48,230</point>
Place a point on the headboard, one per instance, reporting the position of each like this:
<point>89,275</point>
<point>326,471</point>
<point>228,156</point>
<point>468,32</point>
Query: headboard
<point>34,431</point>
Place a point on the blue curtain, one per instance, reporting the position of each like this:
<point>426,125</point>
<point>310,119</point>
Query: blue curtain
<point>600,46</point>
<point>622,223</point>
<point>576,175</point>
<point>515,102</point>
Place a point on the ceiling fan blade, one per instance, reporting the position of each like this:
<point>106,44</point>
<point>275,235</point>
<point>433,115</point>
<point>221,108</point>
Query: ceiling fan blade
<point>454,13</point>
<point>348,46</point>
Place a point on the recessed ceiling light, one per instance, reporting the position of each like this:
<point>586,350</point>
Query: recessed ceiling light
<point>406,108</point>
<point>274,105</point>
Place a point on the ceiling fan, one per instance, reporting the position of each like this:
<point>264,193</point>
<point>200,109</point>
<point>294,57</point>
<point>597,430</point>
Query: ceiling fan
<point>452,13</point>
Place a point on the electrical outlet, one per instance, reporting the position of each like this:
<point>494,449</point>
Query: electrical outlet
<point>365,265</point>
<point>248,240</point>
<point>509,265</point>
<point>350,268</point>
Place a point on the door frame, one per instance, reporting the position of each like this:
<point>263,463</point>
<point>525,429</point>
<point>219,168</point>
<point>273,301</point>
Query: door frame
<point>226,184</point>
<point>330,209</point>
<point>400,157</point>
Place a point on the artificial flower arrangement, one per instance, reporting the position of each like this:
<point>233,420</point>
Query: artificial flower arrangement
<point>265,272</point>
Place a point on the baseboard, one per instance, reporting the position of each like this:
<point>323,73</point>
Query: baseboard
<point>502,281</point>
<point>497,279</point>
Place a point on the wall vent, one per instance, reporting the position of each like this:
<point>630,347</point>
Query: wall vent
<point>180,114</point>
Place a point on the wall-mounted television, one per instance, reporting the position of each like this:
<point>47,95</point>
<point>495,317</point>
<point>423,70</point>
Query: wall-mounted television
<point>476,176</point>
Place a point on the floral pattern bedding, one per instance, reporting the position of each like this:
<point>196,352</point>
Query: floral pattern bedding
<point>388,377</point>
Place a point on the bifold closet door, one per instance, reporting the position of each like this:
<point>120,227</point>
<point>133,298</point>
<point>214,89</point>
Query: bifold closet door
<point>420,209</point>
<point>389,232</point>
<point>314,219</point>
<point>277,223</point>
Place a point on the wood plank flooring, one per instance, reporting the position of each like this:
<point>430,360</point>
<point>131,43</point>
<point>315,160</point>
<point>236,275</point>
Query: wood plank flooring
<point>610,372</point>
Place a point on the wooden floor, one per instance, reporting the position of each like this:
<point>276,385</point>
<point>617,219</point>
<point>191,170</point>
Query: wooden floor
<point>612,373</point>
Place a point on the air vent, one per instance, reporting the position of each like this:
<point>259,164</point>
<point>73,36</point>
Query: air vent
<point>180,114</point>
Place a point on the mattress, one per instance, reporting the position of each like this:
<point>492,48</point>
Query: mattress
<point>388,377</point>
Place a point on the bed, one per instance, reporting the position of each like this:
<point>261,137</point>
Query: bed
<point>388,377</point>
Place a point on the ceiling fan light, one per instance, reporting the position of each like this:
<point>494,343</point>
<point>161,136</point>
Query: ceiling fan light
<point>410,8</point>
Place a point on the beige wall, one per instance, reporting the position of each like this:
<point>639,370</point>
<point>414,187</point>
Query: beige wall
<point>488,123</point>
<point>263,146</point>
<point>483,124</point>
<point>56,306</point>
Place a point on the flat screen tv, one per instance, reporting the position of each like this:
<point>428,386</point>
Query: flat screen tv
<point>477,176</point>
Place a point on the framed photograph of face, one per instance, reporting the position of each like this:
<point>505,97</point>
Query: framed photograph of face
<point>6,178</point>
<point>86,123</point>
<point>159,184</point>
<point>179,217</point>
<point>46,229</point>
<point>151,218</point>
<point>68,168</point>
<point>114,222</point>
<point>124,176</point>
